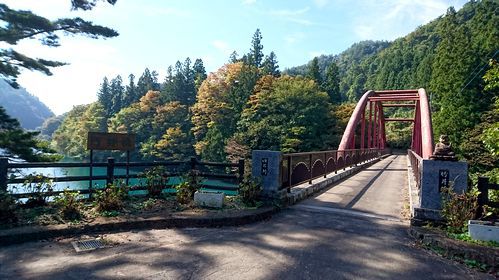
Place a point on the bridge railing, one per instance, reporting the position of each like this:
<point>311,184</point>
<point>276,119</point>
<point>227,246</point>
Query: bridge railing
<point>416,165</point>
<point>297,168</point>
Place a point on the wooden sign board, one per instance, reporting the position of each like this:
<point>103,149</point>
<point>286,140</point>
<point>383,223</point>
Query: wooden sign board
<point>110,141</point>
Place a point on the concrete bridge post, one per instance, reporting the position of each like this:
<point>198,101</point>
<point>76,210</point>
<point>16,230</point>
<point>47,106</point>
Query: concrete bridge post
<point>435,175</point>
<point>266,165</point>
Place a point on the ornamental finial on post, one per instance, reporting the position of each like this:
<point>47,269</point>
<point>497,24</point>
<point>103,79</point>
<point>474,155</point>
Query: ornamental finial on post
<point>443,150</point>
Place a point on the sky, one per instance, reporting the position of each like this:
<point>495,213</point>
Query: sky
<point>157,33</point>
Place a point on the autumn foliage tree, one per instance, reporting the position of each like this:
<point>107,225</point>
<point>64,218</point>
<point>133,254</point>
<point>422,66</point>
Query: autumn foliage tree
<point>215,113</point>
<point>289,114</point>
<point>158,127</point>
<point>71,137</point>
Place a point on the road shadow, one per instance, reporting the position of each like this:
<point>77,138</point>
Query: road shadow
<point>365,178</point>
<point>292,245</point>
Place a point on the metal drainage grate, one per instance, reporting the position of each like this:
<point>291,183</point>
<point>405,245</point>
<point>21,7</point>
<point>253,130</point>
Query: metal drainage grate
<point>87,245</point>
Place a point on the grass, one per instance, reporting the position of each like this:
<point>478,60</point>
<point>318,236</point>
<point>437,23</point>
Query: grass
<point>462,236</point>
<point>468,262</point>
<point>465,236</point>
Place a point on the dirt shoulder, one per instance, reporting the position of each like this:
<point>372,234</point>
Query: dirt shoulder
<point>152,217</point>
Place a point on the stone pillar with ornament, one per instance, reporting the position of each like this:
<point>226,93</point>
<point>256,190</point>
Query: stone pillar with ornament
<point>440,172</point>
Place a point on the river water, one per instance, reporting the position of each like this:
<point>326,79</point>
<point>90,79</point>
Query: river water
<point>97,171</point>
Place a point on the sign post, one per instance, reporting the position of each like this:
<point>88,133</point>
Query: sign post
<point>110,141</point>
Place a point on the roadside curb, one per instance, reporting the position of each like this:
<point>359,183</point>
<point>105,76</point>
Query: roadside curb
<point>456,249</point>
<point>36,233</point>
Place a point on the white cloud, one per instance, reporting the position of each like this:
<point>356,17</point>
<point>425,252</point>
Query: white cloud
<point>389,19</point>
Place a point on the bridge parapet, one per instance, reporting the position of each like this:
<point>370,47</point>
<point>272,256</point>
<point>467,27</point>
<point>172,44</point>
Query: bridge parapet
<point>280,172</point>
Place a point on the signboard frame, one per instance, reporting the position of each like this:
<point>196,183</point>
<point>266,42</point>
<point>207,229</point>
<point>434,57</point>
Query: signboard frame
<point>110,141</point>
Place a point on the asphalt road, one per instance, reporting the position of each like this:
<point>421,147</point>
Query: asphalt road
<point>347,232</point>
<point>377,190</point>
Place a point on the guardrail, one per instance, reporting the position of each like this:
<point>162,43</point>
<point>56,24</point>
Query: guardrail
<point>483,197</point>
<point>297,168</point>
<point>236,172</point>
<point>416,163</point>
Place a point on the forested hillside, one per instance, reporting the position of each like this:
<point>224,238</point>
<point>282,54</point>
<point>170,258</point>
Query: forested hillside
<point>247,103</point>
<point>19,104</point>
<point>349,67</point>
<point>447,57</point>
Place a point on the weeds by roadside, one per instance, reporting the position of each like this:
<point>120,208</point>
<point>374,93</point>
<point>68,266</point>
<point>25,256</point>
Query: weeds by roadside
<point>471,263</point>
<point>111,198</point>
<point>69,204</point>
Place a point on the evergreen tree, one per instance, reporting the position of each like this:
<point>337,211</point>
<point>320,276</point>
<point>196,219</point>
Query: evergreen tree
<point>131,94</point>
<point>270,66</point>
<point>105,97</point>
<point>199,73</point>
<point>314,71</point>
<point>117,93</point>
<point>179,87</point>
<point>88,4</point>
<point>452,96</point>
<point>166,94</point>
<point>148,81</point>
<point>233,57</point>
<point>189,86</point>
<point>255,55</point>
<point>18,25</point>
<point>331,83</point>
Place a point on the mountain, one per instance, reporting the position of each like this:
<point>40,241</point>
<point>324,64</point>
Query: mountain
<point>447,57</point>
<point>348,62</point>
<point>20,104</point>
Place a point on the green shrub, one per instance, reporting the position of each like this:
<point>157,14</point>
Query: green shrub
<point>40,187</point>
<point>155,180</point>
<point>69,204</point>
<point>185,190</point>
<point>7,208</point>
<point>458,208</point>
<point>185,193</point>
<point>249,191</point>
<point>111,198</point>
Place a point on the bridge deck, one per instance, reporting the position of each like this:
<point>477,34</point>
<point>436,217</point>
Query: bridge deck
<point>376,190</point>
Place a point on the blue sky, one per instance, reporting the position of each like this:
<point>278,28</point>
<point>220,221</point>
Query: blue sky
<point>157,33</point>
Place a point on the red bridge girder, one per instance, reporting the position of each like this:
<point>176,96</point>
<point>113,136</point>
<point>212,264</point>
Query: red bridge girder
<point>371,103</point>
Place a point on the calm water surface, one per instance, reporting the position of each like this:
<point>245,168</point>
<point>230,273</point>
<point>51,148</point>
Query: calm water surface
<point>97,171</point>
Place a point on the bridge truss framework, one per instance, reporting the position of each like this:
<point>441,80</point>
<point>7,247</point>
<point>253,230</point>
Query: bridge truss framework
<point>369,115</point>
